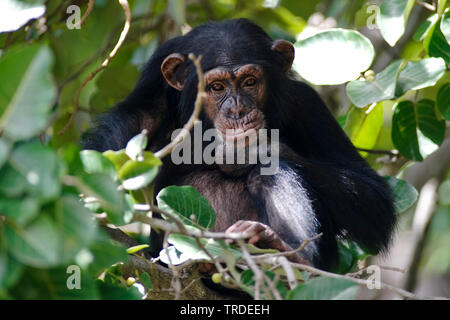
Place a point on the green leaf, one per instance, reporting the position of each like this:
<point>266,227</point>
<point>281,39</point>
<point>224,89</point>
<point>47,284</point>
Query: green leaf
<point>15,14</point>
<point>138,248</point>
<point>416,131</point>
<point>363,92</point>
<point>190,249</point>
<point>426,27</point>
<point>436,44</point>
<point>420,74</point>
<point>37,245</point>
<point>27,92</point>
<point>405,195</point>
<point>76,227</point>
<point>137,175</point>
<point>392,19</point>
<point>445,25</point>
<point>363,128</point>
<point>10,268</point>
<point>118,158</point>
<point>12,183</point>
<point>144,278</point>
<point>443,100</point>
<point>94,162</point>
<point>105,253</point>
<point>349,255</point>
<point>184,202</point>
<point>136,146</point>
<point>40,166</point>
<point>106,191</point>
<point>322,288</point>
<point>5,148</point>
<point>20,210</point>
<point>352,54</point>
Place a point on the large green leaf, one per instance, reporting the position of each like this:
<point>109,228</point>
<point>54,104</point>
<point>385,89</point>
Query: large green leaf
<point>364,92</point>
<point>14,14</point>
<point>322,288</point>
<point>351,54</point>
<point>184,202</point>
<point>420,74</point>
<point>36,245</point>
<point>27,91</point>
<point>443,100</point>
<point>76,227</point>
<point>392,19</point>
<point>416,131</point>
<point>405,195</point>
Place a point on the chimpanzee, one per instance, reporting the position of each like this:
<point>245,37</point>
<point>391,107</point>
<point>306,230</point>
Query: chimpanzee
<point>322,185</point>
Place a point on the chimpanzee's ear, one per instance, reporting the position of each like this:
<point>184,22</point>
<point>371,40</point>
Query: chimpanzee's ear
<point>287,50</point>
<point>171,70</point>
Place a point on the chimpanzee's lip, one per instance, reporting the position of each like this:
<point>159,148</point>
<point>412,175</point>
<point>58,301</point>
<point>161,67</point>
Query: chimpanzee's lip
<point>238,134</point>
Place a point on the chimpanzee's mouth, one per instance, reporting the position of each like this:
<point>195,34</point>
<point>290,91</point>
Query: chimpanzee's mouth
<point>249,133</point>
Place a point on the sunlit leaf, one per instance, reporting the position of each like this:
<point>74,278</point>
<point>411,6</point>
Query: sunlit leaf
<point>420,74</point>
<point>352,54</point>
<point>392,19</point>
<point>363,92</point>
<point>363,127</point>
<point>14,14</point>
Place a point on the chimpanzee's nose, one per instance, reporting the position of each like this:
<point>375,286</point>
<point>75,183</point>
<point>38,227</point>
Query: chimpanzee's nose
<point>232,109</point>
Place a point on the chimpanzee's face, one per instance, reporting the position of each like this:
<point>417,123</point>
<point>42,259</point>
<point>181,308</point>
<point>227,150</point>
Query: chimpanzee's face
<point>235,99</point>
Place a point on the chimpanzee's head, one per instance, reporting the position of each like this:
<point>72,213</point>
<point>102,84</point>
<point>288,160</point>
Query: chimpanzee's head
<point>238,59</point>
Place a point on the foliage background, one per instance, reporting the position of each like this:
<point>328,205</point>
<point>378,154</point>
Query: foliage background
<point>43,225</point>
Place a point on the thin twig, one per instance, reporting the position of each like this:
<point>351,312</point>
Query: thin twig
<point>393,153</point>
<point>173,228</point>
<point>126,28</point>
<point>361,282</point>
<point>388,268</point>
<point>88,12</point>
<point>426,5</point>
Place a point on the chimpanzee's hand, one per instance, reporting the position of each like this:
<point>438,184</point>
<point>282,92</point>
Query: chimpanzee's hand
<point>264,237</point>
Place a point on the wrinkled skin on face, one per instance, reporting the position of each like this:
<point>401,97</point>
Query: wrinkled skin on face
<point>235,100</point>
